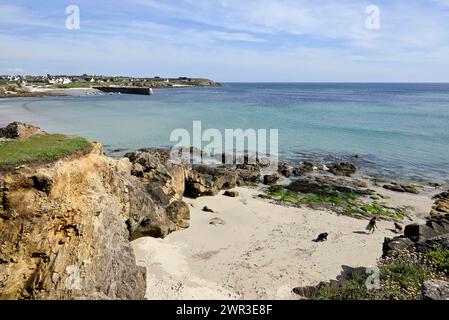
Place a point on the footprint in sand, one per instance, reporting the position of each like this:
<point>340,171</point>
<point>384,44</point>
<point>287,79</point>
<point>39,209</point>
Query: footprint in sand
<point>217,221</point>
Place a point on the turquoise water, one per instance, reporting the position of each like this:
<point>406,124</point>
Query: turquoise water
<point>401,130</point>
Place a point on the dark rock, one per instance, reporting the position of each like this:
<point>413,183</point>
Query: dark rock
<point>392,246</point>
<point>401,188</point>
<point>248,177</point>
<point>421,237</point>
<point>207,209</point>
<point>425,246</point>
<point>309,186</point>
<point>208,181</point>
<point>42,183</point>
<point>394,187</point>
<point>137,170</point>
<point>217,221</point>
<point>19,130</point>
<point>285,169</point>
<point>306,292</point>
<point>434,184</point>
<point>342,169</point>
<point>435,290</point>
<point>326,186</point>
<point>205,180</point>
<point>306,167</point>
<point>418,232</point>
<point>232,193</point>
<point>441,205</point>
<point>270,179</point>
<point>179,212</point>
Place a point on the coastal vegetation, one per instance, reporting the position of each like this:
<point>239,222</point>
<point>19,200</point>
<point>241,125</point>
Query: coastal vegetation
<point>42,147</point>
<point>401,278</point>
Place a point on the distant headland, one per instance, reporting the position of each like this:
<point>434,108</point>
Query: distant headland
<point>48,85</point>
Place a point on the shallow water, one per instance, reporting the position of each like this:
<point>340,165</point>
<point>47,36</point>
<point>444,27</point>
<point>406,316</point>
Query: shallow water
<point>401,130</point>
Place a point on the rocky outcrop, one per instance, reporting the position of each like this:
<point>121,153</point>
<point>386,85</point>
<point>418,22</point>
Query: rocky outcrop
<point>202,180</point>
<point>420,237</point>
<point>65,227</point>
<point>285,169</point>
<point>19,130</point>
<point>325,185</point>
<point>441,206</point>
<point>163,180</point>
<point>393,186</point>
<point>270,179</point>
<point>305,168</point>
<point>342,169</point>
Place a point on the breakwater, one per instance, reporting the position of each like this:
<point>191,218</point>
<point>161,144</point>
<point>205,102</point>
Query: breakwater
<point>127,90</point>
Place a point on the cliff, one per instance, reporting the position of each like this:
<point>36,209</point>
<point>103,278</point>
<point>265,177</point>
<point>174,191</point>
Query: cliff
<point>66,228</point>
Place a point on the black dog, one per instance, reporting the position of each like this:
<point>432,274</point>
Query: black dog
<point>322,237</point>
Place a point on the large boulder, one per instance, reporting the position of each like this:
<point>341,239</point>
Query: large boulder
<point>163,179</point>
<point>421,237</point>
<point>418,232</point>
<point>203,180</point>
<point>394,246</point>
<point>429,244</point>
<point>19,130</point>
<point>179,213</point>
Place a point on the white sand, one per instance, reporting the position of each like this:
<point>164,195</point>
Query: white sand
<point>262,252</point>
<point>68,91</point>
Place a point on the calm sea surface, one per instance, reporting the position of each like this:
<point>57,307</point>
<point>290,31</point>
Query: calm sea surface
<point>401,130</point>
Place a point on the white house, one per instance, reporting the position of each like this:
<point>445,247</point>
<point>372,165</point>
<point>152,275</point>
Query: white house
<point>66,81</point>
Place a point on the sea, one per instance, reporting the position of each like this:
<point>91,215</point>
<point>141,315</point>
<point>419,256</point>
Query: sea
<point>396,131</point>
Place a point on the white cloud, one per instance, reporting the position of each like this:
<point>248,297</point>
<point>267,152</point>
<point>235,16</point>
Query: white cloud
<point>267,40</point>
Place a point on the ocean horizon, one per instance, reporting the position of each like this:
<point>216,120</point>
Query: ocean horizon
<point>397,130</point>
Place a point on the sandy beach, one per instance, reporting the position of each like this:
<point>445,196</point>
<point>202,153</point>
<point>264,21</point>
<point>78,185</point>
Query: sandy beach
<point>262,251</point>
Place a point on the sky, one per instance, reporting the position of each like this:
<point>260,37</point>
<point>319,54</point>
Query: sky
<point>230,40</point>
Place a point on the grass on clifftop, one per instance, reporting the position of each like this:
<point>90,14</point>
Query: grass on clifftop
<point>45,147</point>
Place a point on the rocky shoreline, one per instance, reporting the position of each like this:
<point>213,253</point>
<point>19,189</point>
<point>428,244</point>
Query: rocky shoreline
<point>14,90</point>
<point>61,220</point>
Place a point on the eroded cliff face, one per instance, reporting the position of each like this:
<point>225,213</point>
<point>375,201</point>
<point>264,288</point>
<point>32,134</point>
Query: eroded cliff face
<point>65,228</point>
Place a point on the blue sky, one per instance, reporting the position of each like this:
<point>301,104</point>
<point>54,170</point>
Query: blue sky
<point>230,40</point>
